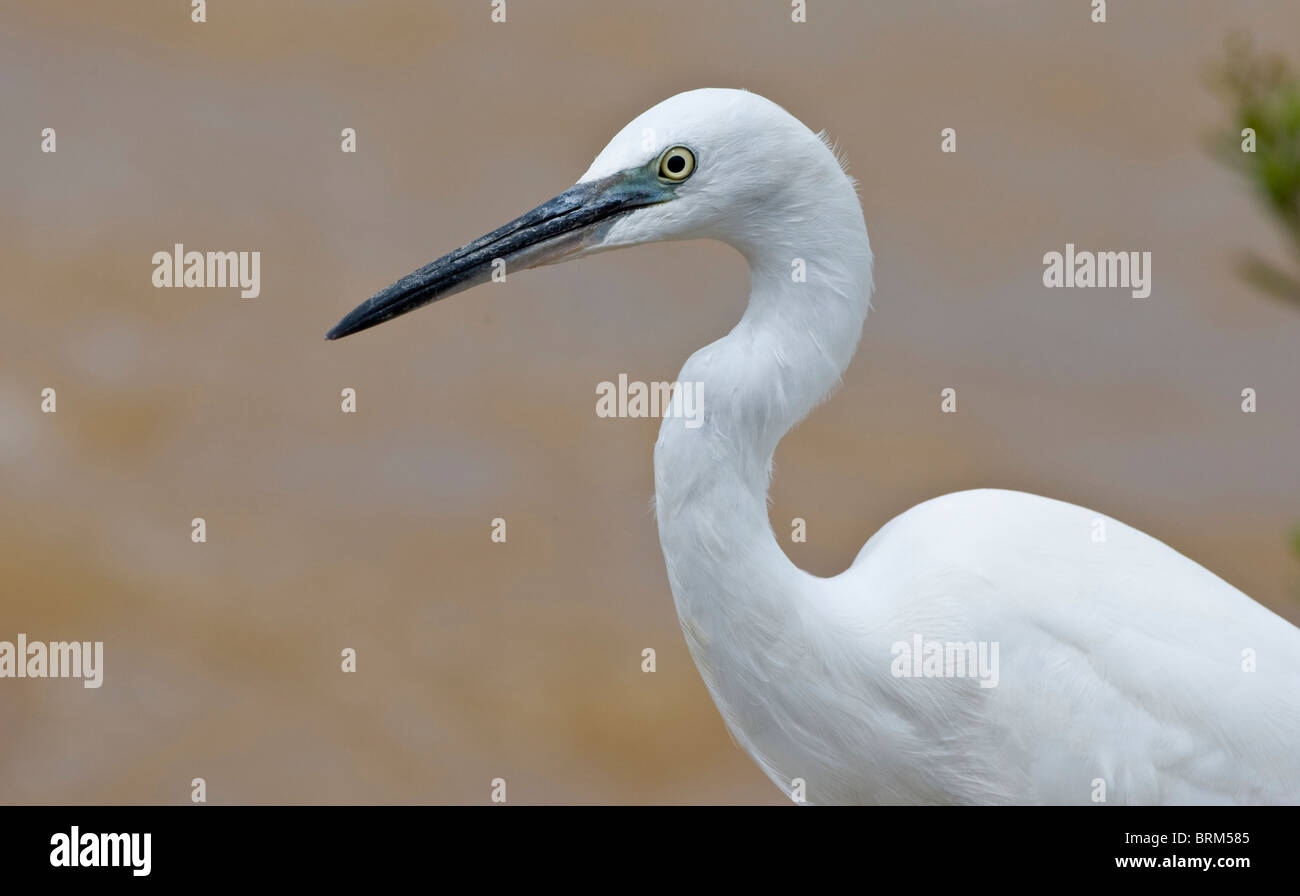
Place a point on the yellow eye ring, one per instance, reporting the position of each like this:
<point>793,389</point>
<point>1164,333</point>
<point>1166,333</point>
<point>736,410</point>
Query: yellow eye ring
<point>677,164</point>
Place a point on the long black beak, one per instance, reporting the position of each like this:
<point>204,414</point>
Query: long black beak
<point>552,231</point>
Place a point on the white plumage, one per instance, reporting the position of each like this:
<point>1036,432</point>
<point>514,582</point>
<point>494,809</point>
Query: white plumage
<point>1125,670</point>
<point>1121,661</point>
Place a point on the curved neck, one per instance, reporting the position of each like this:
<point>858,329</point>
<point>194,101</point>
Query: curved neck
<point>810,289</point>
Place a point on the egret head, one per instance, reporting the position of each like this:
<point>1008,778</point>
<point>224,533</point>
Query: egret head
<point>710,163</point>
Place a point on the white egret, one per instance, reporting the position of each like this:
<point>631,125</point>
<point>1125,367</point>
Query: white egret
<point>1048,667</point>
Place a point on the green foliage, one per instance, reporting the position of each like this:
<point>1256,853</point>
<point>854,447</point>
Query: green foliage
<point>1265,96</point>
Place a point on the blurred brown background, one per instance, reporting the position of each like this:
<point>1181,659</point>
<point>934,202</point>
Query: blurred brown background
<point>480,660</point>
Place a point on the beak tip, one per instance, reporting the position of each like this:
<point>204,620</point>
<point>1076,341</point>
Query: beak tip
<point>354,322</point>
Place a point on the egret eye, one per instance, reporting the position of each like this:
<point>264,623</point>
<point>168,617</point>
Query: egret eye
<point>677,164</point>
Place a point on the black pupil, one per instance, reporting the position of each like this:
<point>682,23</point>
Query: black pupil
<point>676,164</point>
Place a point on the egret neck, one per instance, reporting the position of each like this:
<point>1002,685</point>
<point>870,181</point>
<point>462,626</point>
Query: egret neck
<point>736,591</point>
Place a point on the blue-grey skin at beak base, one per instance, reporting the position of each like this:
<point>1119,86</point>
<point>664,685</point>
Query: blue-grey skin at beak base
<point>568,215</point>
